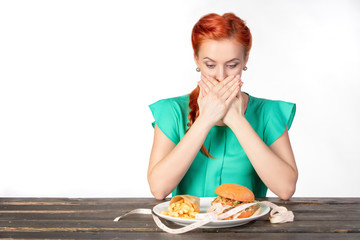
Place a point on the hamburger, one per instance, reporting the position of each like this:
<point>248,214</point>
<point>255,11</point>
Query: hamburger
<point>233,195</point>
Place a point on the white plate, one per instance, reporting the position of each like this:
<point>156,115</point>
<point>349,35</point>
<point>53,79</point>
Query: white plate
<point>205,204</point>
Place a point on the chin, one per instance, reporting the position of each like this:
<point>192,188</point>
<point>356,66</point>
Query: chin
<point>220,123</point>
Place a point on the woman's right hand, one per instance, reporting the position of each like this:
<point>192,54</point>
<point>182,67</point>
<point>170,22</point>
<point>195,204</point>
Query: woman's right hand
<point>215,97</point>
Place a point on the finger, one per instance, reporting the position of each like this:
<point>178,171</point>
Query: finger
<point>234,82</point>
<point>212,80</point>
<point>230,91</point>
<point>232,96</point>
<point>224,82</point>
<point>227,82</point>
<point>204,87</point>
<point>200,92</point>
<point>230,79</point>
<point>207,83</point>
<point>239,93</point>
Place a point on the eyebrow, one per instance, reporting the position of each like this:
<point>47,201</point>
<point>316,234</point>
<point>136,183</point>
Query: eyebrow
<point>227,61</point>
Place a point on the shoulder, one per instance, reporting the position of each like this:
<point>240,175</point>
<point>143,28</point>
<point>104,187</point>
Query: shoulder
<point>274,114</point>
<point>180,100</point>
<point>179,103</point>
<point>268,106</point>
<point>170,115</point>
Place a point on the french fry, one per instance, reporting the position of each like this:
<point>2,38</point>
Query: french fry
<point>182,209</point>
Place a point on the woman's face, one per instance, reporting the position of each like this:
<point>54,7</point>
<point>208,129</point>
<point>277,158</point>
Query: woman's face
<point>221,58</point>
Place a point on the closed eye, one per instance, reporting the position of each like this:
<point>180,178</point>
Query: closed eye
<point>232,66</point>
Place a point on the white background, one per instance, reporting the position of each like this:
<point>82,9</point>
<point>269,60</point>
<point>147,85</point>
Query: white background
<point>76,79</point>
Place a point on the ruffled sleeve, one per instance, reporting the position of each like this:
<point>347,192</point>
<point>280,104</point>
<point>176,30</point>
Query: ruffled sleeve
<point>166,118</point>
<point>278,116</point>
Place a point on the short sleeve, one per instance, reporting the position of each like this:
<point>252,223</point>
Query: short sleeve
<point>166,118</point>
<point>278,116</point>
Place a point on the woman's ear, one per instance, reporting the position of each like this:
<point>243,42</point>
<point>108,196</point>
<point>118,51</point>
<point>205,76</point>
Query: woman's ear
<point>246,59</point>
<point>196,60</point>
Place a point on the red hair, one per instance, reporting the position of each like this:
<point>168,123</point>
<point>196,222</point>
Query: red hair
<point>215,27</point>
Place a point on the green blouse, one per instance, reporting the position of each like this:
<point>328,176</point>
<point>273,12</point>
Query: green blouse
<point>231,165</point>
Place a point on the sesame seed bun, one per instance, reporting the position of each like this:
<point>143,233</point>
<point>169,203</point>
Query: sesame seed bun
<point>235,192</point>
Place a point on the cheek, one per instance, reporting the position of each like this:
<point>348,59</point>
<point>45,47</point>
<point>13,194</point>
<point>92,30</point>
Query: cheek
<point>235,71</point>
<point>207,71</point>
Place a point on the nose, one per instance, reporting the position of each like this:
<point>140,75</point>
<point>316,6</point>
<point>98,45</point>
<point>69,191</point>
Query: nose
<point>220,74</point>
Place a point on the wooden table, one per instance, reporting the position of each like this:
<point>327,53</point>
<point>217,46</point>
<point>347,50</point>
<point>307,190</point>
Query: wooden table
<point>89,218</point>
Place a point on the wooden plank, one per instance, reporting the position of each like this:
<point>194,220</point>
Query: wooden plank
<point>142,202</point>
<point>148,225</point>
<point>129,206</point>
<point>337,210</point>
<point>153,201</point>
<point>92,212</point>
<point>124,207</point>
<point>98,215</point>
<point>189,235</point>
<point>110,215</point>
<point>62,216</point>
<point>295,200</point>
<point>81,201</point>
<point>319,200</point>
<point>43,203</point>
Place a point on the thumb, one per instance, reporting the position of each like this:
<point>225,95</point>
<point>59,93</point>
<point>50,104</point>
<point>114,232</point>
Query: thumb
<point>238,95</point>
<point>201,95</point>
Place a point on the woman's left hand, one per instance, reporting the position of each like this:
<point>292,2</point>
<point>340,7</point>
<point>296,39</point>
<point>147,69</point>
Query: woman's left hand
<point>237,107</point>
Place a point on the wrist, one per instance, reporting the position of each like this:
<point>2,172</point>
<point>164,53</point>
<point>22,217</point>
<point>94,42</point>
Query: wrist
<point>239,121</point>
<point>204,122</point>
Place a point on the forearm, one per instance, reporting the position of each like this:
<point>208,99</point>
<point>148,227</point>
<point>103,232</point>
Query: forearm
<point>168,172</point>
<point>278,175</point>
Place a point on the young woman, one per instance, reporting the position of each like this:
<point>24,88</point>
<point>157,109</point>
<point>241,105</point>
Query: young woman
<point>218,134</point>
